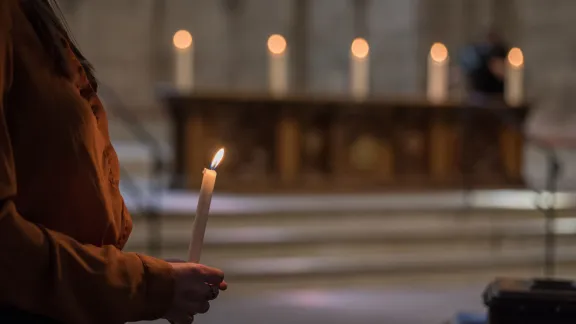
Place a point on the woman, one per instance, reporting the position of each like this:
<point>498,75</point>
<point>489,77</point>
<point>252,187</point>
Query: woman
<point>62,219</point>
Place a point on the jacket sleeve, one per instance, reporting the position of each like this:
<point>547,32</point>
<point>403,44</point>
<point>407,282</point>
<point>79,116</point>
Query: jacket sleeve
<point>50,274</point>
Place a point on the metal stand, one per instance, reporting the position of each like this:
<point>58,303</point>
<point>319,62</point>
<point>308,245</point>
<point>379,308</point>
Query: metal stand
<point>550,214</point>
<point>466,164</point>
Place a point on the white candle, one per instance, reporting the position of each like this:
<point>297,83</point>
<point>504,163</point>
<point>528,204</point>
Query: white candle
<point>277,65</point>
<point>359,69</point>
<point>438,66</point>
<point>514,78</point>
<point>183,61</point>
<point>203,209</point>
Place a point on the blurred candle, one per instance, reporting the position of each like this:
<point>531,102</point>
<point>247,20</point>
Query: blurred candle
<point>514,78</point>
<point>203,209</point>
<point>438,65</point>
<point>183,61</point>
<point>277,65</point>
<point>359,68</point>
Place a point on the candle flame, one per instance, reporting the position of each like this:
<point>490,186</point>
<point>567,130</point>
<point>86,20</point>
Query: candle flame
<point>516,57</point>
<point>360,48</point>
<point>217,159</point>
<point>439,52</point>
<point>182,39</point>
<point>277,44</point>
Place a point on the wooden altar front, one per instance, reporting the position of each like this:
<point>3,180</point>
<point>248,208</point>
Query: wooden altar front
<point>331,145</point>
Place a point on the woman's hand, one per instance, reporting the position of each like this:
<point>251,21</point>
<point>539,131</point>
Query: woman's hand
<point>195,286</point>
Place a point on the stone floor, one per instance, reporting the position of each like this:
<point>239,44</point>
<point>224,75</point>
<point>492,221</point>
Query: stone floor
<point>432,304</point>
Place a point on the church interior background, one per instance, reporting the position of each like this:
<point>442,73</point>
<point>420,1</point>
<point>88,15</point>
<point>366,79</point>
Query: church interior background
<point>298,244</point>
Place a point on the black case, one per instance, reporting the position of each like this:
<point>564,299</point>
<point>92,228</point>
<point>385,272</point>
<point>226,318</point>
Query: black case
<point>532,301</point>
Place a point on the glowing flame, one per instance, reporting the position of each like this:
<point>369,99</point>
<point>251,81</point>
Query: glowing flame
<point>217,159</point>
<point>439,52</point>
<point>360,48</point>
<point>182,39</point>
<point>277,44</point>
<point>516,57</point>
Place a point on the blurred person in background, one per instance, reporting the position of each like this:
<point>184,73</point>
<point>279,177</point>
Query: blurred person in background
<point>483,64</point>
<point>63,221</point>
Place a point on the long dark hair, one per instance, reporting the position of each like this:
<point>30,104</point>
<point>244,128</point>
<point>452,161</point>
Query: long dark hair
<point>52,29</point>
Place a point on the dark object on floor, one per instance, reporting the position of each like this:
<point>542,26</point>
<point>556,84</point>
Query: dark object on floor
<point>536,301</point>
<point>470,318</point>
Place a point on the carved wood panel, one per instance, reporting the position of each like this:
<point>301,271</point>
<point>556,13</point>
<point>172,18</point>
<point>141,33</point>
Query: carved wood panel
<point>411,141</point>
<point>367,142</point>
<point>315,142</point>
<point>478,146</point>
<point>282,145</point>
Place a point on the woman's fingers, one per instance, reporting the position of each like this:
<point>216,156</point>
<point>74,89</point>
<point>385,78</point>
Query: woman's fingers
<point>183,319</point>
<point>223,285</point>
<point>211,276</point>
<point>201,308</point>
<point>196,286</point>
<point>191,275</point>
<point>196,308</point>
<point>201,292</point>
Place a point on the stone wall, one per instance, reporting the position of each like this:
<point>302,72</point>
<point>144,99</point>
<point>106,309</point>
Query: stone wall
<point>130,40</point>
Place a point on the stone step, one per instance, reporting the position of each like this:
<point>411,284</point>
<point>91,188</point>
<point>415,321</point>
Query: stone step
<point>432,234</point>
<point>183,204</point>
<point>396,263</point>
<point>393,219</point>
<point>250,231</point>
<point>298,237</point>
<point>357,227</point>
<point>376,246</point>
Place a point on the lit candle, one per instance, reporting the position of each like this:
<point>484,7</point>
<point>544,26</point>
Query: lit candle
<point>438,73</point>
<point>277,65</point>
<point>514,78</point>
<point>183,61</point>
<point>203,209</point>
<point>359,68</point>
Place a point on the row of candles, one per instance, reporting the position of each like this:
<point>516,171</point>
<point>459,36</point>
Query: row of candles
<point>438,69</point>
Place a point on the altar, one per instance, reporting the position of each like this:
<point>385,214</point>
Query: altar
<point>328,145</point>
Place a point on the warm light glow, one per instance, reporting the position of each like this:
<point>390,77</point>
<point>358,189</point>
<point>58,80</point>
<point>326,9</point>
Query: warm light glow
<point>277,44</point>
<point>182,39</point>
<point>217,159</point>
<point>360,48</point>
<point>516,57</point>
<point>439,52</point>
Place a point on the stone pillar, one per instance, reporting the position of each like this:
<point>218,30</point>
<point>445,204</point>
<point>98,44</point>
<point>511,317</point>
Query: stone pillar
<point>360,18</point>
<point>330,34</point>
<point>233,9</point>
<point>299,40</point>
<point>396,59</point>
<point>506,20</point>
<point>160,44</point>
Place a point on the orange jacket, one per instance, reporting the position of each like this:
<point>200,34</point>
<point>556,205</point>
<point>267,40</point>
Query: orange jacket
<point>63,221</point>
